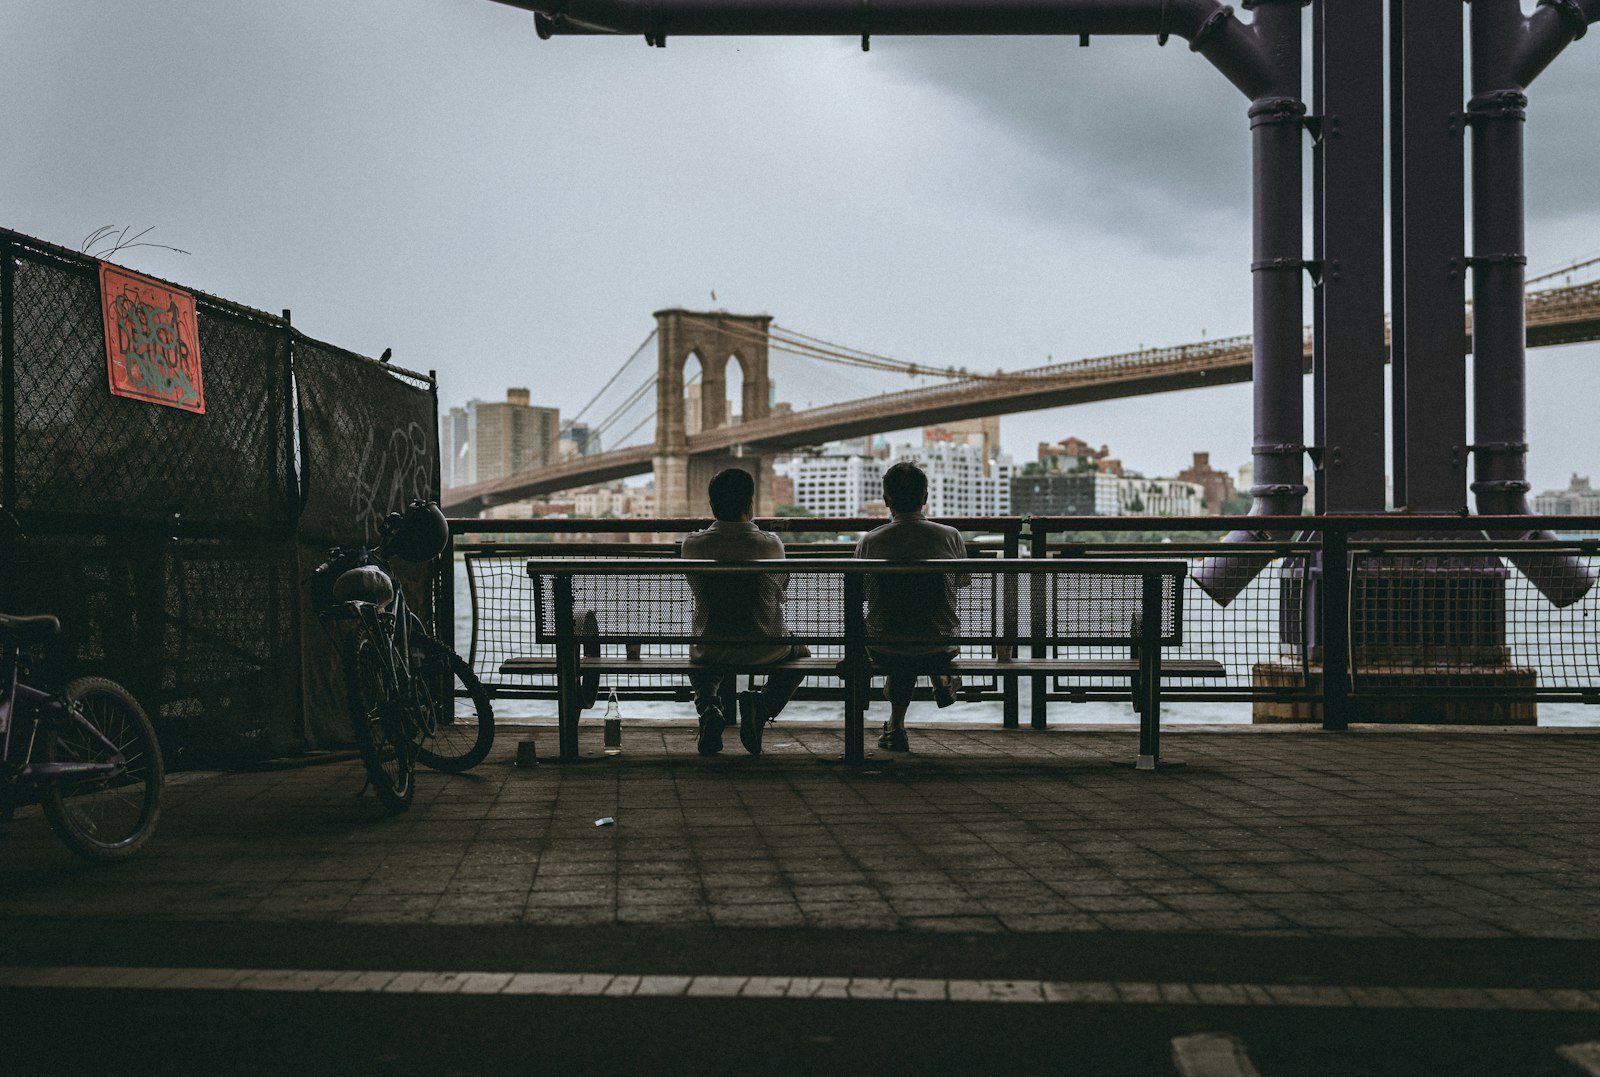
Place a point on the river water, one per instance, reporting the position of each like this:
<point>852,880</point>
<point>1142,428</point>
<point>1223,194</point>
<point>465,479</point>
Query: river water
<point>1172,713</point>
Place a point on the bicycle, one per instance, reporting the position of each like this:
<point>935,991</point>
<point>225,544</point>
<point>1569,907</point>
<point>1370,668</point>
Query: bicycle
<point>411,698</point>
<point>88,755</point>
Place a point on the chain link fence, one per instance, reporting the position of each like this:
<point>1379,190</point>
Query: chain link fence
<point>173,545</point>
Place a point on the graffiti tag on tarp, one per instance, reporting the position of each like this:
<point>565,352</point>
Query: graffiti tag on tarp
<point>152,340</point>
<point>393,470</point>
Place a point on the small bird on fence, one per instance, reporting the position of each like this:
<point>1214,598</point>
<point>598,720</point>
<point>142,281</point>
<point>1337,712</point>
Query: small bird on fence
<point>388,353</point>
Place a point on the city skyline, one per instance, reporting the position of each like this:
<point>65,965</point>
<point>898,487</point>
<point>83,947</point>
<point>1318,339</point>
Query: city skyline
<point>891,440</point>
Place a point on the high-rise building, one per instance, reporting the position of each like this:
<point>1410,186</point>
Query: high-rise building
<point>961,482</point>
<point>836,482</point>
<point>455,448</point>
<point>578,439</point>
<point>1075,454</point>
<point>982,434</point>
<point>1139,496</point>
<point>967,475</point>
<point>1076,493</point>
<point>1578,499</point>
<point>1216,486</point>
<point>489,440</point>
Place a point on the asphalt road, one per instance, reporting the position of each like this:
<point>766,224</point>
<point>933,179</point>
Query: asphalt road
<point>301,1032</point>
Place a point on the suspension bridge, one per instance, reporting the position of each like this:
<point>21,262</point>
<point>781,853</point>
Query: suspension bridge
<point>633,423</point>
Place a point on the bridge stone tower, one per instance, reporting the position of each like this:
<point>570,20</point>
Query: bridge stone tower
<point>716,338</point>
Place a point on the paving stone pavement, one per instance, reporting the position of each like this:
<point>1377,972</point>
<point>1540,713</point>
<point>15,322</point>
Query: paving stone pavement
<point>1375,833</point>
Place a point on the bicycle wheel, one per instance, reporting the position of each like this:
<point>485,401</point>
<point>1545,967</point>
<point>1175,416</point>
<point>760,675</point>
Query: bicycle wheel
<point>110,815</point>
<point>387,751</point>
<point>456,706</point>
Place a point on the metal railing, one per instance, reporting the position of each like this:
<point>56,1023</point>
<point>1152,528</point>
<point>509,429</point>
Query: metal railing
<point>1356,618</point>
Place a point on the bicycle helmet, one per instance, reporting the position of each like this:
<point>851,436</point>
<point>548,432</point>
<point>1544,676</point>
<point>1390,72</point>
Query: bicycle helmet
<point>419,534</point>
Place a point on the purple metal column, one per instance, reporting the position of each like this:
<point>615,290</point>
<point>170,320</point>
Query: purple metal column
<point>1347,244</point>
<point>1428,236</point>
<point>1508,50</point>
<point>1277,117</point>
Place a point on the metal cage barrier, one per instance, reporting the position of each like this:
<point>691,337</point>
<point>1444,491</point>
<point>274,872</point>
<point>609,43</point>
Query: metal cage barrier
<point>173,544</point>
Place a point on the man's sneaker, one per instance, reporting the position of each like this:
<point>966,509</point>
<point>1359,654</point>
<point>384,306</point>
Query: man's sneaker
<point>945,689</point>
<point>894,740</point>
<point>709,741</point>
<point>752,721</point>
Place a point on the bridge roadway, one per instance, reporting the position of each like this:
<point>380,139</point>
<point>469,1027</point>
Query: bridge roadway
<point>1564,315</point>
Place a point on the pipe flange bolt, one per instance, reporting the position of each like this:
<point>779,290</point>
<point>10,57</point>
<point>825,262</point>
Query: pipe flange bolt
<point>1498,104</point>
<point>1212,24</point>
<point>1572,14</point>
<point>1277,110</point>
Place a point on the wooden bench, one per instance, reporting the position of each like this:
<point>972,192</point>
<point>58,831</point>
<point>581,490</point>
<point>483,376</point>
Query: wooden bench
<point>601,615</point>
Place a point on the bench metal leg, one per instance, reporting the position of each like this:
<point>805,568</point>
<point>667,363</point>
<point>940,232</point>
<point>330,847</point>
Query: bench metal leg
<point>1149,715</point>
<point>857,670</point>
<point>568,671</point>
<point>855,717</point>
<point>568,705</point>
<point>1147,681</point>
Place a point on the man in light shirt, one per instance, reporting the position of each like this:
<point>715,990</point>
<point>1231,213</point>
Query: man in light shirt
<point>912,605</point>
<point>738,607</point>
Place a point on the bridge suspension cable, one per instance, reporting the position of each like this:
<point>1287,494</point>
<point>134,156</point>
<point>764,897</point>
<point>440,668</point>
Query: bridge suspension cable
<point>611,381</point>
<point>779,338</point>
<point>621,412</point>
<point>1564,270</point>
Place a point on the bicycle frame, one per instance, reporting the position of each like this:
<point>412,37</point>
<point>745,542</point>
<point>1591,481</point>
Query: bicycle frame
<point>395,626</point>
<point>47,707</point>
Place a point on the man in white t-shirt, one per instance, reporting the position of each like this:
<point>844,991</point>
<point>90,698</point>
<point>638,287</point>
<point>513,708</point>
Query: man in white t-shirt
<point>738,607</point>
<point>912,605</point>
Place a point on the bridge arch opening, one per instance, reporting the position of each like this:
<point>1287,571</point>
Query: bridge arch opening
<point>734,380</point>
<point>692,389</point>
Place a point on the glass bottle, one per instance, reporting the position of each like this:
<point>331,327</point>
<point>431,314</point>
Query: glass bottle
<point>613,718</point>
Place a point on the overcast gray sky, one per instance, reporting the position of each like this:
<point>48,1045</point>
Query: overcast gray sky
<point>427,175</point>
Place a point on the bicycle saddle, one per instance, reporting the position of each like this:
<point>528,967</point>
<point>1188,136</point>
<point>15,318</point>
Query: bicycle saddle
<point>29,629</point>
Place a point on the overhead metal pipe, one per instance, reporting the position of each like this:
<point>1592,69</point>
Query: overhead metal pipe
<point>1261,59</point>
<point>1234,48</point>
<point>1508,50</point>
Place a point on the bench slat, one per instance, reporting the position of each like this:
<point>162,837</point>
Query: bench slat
<point>1080,667</point>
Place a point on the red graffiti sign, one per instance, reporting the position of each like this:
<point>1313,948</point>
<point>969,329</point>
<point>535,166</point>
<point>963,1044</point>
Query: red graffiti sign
<point>152,340</point>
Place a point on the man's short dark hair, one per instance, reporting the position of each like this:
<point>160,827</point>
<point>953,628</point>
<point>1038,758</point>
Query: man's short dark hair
<point>732,492</point>
<point>905,487</point>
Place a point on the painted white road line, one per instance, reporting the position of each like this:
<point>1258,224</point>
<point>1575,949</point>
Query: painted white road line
<point>613,985</point>
<point>1212,1054</point>
<point>1586,1056</point>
